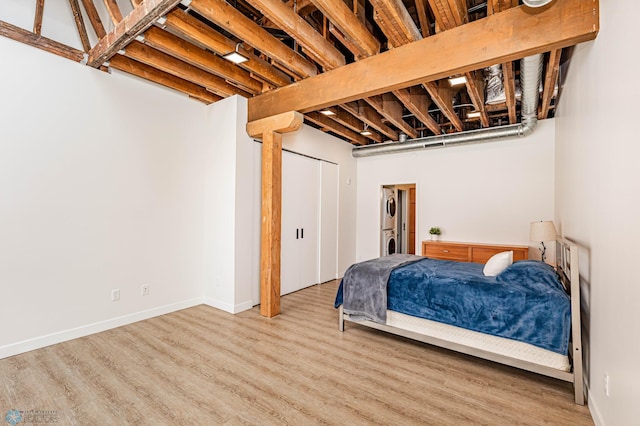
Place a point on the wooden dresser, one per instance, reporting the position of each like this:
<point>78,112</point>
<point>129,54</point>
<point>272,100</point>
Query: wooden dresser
<point>469,252</point>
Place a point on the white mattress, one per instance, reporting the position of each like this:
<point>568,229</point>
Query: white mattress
<point>498,345</point>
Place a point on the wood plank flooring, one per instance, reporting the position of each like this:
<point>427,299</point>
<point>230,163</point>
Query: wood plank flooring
<point>202,366</point>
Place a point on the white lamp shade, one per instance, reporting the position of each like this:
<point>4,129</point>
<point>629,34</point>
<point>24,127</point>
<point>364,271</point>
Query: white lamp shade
<point>543,231</point>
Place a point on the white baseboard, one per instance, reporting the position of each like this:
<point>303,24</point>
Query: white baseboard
<point>85,330</point>
<point>228,307</point>
<point>595,413</point>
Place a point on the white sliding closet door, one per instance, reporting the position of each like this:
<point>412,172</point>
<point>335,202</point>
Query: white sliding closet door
<point>300,200</point>
<point>328,253</point>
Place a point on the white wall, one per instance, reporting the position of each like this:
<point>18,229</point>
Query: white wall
<point>487,192</point>
<point>598,203</point>
<point>101,187</point>
<point>228,211</point>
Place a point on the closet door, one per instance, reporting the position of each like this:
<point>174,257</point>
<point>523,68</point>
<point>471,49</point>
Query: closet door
<point>328,253</point>
<point>299,233</point>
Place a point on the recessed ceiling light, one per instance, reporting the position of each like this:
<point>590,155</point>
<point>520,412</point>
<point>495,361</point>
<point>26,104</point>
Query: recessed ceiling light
<point>327,112</point>
<point>235,56</point>
<point>455,81</point>
<point>536,3</point>
<point>474,114</point>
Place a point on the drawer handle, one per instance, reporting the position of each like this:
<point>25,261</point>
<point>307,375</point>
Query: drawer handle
<point>445,251</point>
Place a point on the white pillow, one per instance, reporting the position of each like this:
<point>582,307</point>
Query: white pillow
<point>498,263</point>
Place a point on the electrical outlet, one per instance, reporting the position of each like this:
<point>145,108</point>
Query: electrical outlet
<point>144,290</point>
<point>115,295</point>
<point>607,383</point>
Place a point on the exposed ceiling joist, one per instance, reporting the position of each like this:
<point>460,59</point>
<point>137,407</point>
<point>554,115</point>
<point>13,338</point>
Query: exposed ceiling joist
<point>171,65</point>
<point>508,76</point>
<point>389,107</point>
<point>368,115</point>
<point>180,49</point>
<point>417,102</point>
<point>186,26</point>
<point>294,25</point>
<point>327,123</point>
<point>140,18</point>
<point>551,76</point>
<point>229,18</point>
<point>502,37</point>
<point>141,70</point>
<point>350,121</point>
<point>354,31</point>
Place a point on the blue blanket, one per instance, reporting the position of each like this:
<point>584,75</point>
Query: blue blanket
<point>526,302</point>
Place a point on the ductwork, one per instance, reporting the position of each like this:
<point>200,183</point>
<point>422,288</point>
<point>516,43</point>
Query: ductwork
<point>530,78</point>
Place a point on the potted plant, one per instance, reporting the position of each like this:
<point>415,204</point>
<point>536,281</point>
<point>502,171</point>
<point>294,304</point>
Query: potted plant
<point>435,233</point>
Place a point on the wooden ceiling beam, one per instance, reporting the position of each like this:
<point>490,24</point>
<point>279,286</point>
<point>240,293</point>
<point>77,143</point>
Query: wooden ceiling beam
<point>416,100</point>
<point>79,20</point>
<point>293,24</point>
<point>449,13</point>
<point>94,18</point>
<point>186,26</point>
<point>350,121</point>
<point>551,76</point>
<point>442,95</point>
<point>475,88</point>
<point>338,129</point>
<point>229,18</point>
<point>389,107</point>
<point>187,52</point>
<point>354,31</point>
<point>140,18</point>
<point>396,23</point>
<point>114,10</point>
<point>423,18</point>
<point>367,114</point>
<point>141,70</point>
<point>496,6</point>
<point>37,20</point>
<point>162,61</point>
<point>499,38</point>
<point>509,80</point>
<point>508,75</point>
<point>43,43</point>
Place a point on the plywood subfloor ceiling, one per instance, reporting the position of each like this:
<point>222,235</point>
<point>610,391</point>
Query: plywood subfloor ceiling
<point>329,52</point>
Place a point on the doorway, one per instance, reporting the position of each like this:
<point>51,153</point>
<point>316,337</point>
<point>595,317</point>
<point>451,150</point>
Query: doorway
<point>403,228</point>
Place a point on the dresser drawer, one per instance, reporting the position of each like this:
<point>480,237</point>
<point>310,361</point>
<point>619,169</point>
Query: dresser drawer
<point>446,252</point>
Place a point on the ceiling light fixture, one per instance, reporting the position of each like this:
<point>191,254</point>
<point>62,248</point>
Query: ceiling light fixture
<point>327,112</point>
<point>455,81</point>
<point>473,114</point>
<point>365,131</point>
<point>536,3</point>
<point>235,56</point>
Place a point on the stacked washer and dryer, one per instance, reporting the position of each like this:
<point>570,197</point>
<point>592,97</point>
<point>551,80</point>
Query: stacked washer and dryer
<point>389,222</point>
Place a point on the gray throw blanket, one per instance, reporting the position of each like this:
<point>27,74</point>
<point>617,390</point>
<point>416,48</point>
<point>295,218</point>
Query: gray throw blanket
<point>365,286</point>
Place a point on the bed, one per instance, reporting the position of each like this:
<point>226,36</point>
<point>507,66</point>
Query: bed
<point>453,305</point>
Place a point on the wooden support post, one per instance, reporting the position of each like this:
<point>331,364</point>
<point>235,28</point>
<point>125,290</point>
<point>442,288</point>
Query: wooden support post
<point>270,129</point>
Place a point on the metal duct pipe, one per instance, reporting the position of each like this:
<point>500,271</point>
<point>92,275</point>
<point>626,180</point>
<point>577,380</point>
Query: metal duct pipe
<point>530,77</point>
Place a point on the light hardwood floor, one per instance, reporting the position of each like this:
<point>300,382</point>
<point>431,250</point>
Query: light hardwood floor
<point>202,366</point>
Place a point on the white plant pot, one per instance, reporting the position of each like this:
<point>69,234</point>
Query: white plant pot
<point>434,237</point>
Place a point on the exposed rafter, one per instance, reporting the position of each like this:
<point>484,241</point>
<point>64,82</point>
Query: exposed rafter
<point>141,70</point>
<point>368,115</point>
<point>114,10</point>
<point>94,18</point>
<point>27,37</point>
<point>502,37</point>
<point>171,65</point>
<point>510,90</point>
<point>180,49</point>
<point>388,105</point>
<point>37,20</point>
<point>551,76</point>
<point>338,129</point>
<point>229,18</point>
<point>186,26</point>
<point>79,20</point>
